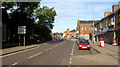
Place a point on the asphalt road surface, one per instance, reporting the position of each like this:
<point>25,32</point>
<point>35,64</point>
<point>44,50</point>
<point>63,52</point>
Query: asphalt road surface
<point>51,53</point>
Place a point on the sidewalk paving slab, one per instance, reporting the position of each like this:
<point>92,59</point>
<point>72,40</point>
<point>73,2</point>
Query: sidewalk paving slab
<point>108,49</point>
<point>19,48</point>
<point>94,59</point>
<point>107,55</point>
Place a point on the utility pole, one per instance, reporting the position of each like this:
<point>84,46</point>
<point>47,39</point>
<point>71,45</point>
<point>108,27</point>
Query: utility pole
<point>93,24</point>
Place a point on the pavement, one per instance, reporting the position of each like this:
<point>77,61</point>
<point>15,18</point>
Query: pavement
<point>18,48</point>
<point>109,49</point>
<point>107,55</point>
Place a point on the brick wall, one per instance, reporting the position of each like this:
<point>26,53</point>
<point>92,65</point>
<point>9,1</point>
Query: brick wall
<point>115,7</point>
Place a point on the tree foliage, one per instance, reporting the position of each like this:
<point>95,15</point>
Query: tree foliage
<point>45,16</point>
<point>21,15</point>
<point>25,14</point>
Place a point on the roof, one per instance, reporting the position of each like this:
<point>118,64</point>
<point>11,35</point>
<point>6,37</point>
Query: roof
<point>112,13</point>
<point>73,30</point>
<point>87,21</point>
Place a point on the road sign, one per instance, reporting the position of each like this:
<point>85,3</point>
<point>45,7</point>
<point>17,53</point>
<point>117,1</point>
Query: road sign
<point>21,29</point>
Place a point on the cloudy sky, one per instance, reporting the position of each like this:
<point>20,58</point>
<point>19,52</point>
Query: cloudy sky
<point>69,11</point>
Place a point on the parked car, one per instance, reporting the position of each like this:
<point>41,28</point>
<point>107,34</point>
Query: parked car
<point>80,39</point>
<point>84,44</point>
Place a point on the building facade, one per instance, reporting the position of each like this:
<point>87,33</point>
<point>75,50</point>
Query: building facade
<point>84,28</point>
<point>109,26</point>
<point>56,35</point>
<point>70,34</point>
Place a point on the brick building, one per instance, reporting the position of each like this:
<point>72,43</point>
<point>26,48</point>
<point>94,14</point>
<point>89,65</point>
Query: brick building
<point>56,35</point>
<point>70,34</point>
<point>109,26</point>
<point>84,28</point>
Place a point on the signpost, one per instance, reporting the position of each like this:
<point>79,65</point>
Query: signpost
<point>22,30</point>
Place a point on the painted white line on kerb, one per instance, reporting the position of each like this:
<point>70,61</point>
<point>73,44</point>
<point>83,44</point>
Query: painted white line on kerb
<point>34,55</point>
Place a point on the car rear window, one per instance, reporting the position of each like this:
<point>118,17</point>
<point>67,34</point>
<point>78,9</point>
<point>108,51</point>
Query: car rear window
<point>84,42</point>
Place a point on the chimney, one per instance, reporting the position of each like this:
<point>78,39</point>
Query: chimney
<point>67,30</point>
<point>106,13</point>
<point>115,7</point>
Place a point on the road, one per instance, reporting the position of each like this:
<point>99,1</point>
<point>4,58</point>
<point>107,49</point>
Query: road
<point>58,53</point>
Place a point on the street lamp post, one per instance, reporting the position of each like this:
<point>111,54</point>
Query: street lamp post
<point>93,22</point>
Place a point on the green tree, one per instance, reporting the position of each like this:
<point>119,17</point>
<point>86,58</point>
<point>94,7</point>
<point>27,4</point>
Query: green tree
<point>21,15</point>
<point>45,17</point>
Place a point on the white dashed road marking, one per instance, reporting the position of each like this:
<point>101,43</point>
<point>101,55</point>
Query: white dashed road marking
<point>35,55</point>
<point>46,49</point>
<point>71,55</point>
<point>70,59</point>
<point>70,62</point>
<point>13,64</point>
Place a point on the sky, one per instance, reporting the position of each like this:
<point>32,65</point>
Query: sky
<point>69,11</point>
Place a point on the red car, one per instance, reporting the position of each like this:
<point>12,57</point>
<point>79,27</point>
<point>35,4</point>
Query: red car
<point>84,45</point>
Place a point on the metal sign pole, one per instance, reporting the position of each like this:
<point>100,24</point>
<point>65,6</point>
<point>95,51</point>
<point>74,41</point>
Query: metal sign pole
<point>22,30</point>
<point>24,39</point>
<point>19,39</point>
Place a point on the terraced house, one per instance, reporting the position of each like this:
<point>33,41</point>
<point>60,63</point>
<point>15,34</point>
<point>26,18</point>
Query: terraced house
<point>70,34</point>
<point>109,26</point>
<point>84,28</point>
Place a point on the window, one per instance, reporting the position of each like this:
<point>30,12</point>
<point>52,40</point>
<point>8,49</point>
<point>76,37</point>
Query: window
<point>100,25</point>
<point>112,19</point>
<point>89,28</point>
<point>82,28</point>
<point>106,22</point>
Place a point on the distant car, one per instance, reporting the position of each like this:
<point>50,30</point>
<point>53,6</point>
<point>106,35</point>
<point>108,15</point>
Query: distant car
<point>84,44</point>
